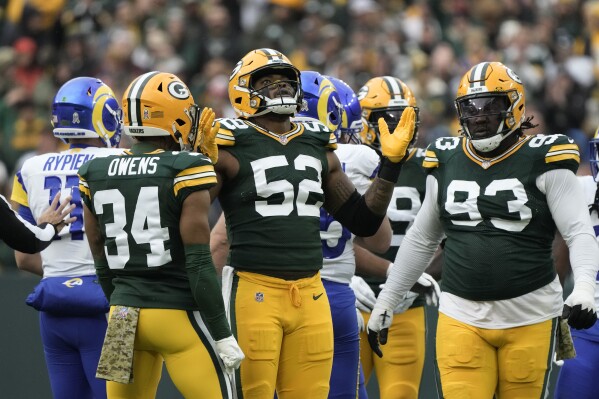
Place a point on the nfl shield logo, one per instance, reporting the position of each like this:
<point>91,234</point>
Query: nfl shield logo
<point>259,297</point>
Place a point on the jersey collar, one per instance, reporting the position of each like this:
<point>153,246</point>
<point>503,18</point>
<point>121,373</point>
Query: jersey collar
<point>486,163</point>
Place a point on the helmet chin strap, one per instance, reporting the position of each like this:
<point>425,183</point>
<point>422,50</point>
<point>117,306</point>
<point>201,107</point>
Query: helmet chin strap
<point>491,143</point>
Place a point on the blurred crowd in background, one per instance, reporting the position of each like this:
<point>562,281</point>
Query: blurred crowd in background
<point>552,44</point>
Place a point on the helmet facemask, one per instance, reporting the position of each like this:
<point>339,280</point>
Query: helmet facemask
<point>188,143</point>
<point>486,119</point>
<point>287,99</point>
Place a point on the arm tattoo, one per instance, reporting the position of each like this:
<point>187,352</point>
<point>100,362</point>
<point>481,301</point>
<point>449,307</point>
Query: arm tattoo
<point>379,195</point>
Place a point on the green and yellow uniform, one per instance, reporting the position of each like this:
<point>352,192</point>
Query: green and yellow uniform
<point>399,372</point>
<point>497,265</point>
<point>137,199</point>
<point>279,310</point>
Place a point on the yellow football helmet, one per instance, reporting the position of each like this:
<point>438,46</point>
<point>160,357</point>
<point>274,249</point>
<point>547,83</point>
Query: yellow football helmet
<point>384,97</point>
<point>491,104</point>
<point>160,104</point>
<point>249,102</point>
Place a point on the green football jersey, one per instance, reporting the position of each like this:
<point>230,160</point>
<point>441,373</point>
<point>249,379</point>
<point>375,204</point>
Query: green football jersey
<point>137,198</point>
<point>272,206</point>
<point>498,224</point>
<point>405,204</point>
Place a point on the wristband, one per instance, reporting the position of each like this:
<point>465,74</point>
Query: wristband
<point>389,170</point>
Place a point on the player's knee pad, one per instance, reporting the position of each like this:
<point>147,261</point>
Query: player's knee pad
<point>400,390</point>
<point>264,342</point>
<point>318,346</point>
<point>463,352</point>
<point>405,344</point>
<point>521,365</point>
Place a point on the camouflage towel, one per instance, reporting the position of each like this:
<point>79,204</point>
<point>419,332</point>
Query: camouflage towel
<point>116,360</point>
<point>564,348</point>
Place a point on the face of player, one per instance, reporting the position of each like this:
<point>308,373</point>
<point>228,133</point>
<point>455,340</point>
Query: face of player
<point>274,85</point>
<point>483,115</point>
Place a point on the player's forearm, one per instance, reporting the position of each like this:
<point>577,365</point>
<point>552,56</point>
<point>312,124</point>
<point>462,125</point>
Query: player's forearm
<point>380,241</point>
<point>370,264</point>
<point>20,234</point>
<point>206,290</point>
<point>31,263</point>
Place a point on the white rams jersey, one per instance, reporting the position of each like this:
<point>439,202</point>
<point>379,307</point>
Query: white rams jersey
<point>590,188</point>
<point>39,180</point>
<point>360,163</point>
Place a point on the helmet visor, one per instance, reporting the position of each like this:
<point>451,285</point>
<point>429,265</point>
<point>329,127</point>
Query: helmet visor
<point>391,116</point>
<point>483,116</point>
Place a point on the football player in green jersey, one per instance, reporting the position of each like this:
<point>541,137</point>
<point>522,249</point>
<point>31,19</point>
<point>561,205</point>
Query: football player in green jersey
<point>273,177</point>
<point>498,196</point>
<point>399,372</point>
<point>146,218</point>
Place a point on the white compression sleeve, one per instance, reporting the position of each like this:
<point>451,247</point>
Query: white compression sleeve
<point>416,250</point>
<point>565,198</point>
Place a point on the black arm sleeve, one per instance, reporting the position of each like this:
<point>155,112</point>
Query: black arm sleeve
<point>21,235</point>
<point>357,217</point>
<point>206,290</point>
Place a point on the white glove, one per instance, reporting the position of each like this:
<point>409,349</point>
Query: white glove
<point>365,298</point>
<point>405,302</point>
<point>230,352</point>
<point>579,307</point>
<point>361,325</point>
<point>378,327</point>
<point>432,289</point>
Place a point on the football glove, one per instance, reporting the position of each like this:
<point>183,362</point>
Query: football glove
<point>431,289</point>
<point>230,352</point>
<point>395,145</point>
<point>378,327</point>
<point>208,129</point>
<point>579,307</point>
<point>365,298</point>
<point>361,325</point>
<point>405,302</point>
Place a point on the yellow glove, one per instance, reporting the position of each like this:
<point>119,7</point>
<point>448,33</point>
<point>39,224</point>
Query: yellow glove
<point>208,129</point>
<point>394,146</point>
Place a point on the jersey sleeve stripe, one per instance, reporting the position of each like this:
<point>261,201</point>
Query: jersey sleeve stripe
<point>562,155</point>
<point>197,176</point>
<point>84,188</point>
<point>562,147</point>
<point>194,171</point>
<point>430,160</point>
<point>225,138</point>
<point>193,182</point>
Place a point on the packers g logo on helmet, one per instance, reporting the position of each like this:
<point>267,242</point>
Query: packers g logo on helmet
<point>85,107</point>
<point>384,97</point>
<point>249,102</point>
<point>160,104</point>
<point>491,90</point>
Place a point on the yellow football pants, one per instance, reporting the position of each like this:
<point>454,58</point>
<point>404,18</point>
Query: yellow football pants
<point>285,330</point>
<point>399,371</point>
<point>182,340</point>
<point>476,363</point>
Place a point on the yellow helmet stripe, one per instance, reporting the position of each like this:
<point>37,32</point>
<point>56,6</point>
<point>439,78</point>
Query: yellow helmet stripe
<point>133,97</point>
